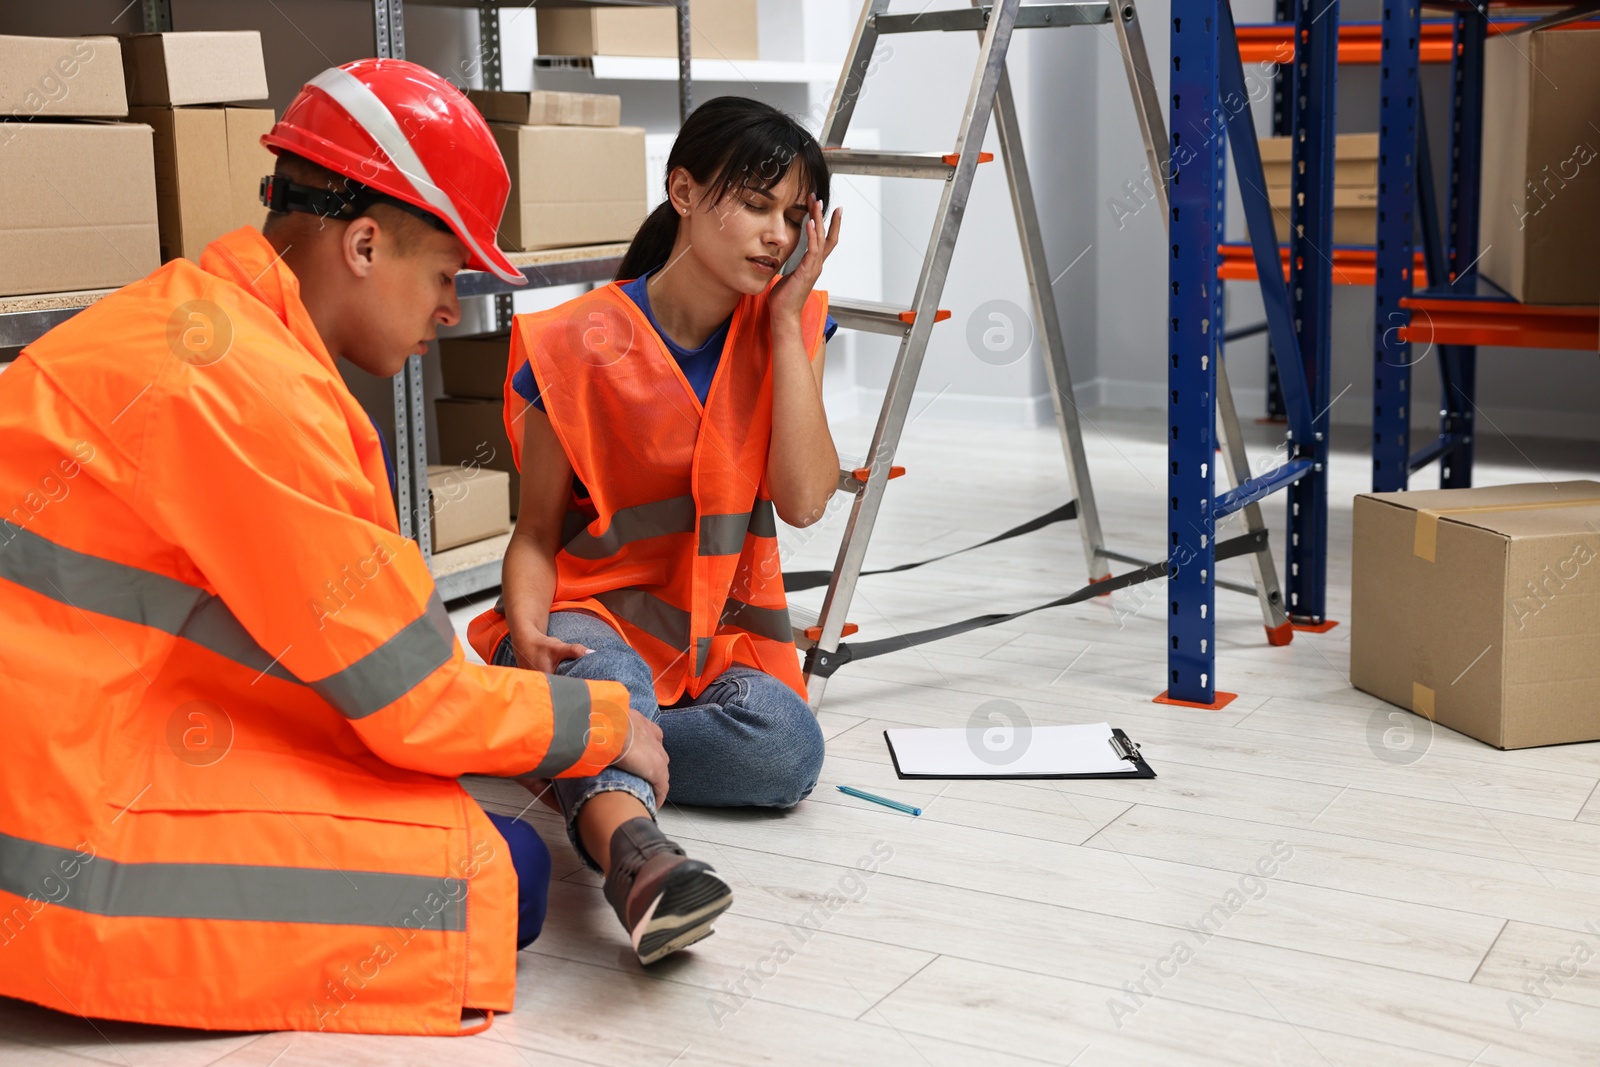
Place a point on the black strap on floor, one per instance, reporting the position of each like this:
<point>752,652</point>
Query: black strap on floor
<point>794,581</point>
<point>824,664</point>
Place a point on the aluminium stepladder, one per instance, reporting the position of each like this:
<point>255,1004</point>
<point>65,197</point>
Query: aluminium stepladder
<point>989,93</point>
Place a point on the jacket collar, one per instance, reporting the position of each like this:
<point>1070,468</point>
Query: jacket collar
<point>248,259</point>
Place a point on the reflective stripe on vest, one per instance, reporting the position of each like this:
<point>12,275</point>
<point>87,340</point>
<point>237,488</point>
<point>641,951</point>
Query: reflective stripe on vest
<point>670,625</point>
<point>235,892</point>
<point>666,623</point>
<point>771,623</point>
<point>131,594</point>
<point>720,535</point>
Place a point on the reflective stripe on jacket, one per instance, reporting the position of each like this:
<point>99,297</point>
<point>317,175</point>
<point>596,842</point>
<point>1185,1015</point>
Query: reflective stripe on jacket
<point>677,545</point>
<point>234,705</point>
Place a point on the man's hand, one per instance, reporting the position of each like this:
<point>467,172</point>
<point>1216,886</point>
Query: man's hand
<point>644,755</point>
<point>541,652</point>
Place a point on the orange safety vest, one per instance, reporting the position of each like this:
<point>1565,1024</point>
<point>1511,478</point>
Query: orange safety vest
<point>233,704</point>
<point>676,547</point>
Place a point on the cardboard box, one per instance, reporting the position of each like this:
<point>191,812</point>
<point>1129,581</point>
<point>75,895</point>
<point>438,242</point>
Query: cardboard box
<point>719,29</point>
<point>475,367</point>
<point>1480,608</point>
<point>248,162</point>
<point>174,69</point>
<point>1355,186</point>
<point>1539,212</point>
<point>206,159</point>
<point>80,206</point>
<point>467,504</point>
<point>78,77</point>
<point>1355,214</point>
<point>571,185</point>
<point>473,432</point>
<point>546,108</point>
<point>1355,161</point>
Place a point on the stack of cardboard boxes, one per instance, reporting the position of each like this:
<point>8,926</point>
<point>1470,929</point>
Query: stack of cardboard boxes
<point>1355,186</point>
<point>468,422</point>
<point>208,152</point>
<point>577,177</point>
<point>98,193</point>
<point>78,187</point>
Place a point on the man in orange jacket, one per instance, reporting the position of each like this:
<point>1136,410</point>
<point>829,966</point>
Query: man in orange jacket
<point>234,704</point>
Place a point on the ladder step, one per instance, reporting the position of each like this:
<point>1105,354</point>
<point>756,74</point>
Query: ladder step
<point>860,473</point>
<point>806,630</point>
<point>874,317</point>
<point>1029,17</point>
<point>887,164</point>
<point>854,480</point>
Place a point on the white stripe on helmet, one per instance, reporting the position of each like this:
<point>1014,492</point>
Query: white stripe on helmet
<point>363,105</point>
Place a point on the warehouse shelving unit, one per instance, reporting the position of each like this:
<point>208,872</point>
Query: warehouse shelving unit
<point>1457,311</point>
<point>1208,109</point>
<point>472,568</point>
<point>1360,43</point>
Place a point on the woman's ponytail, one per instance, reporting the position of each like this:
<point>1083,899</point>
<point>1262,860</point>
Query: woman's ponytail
<point>652,244</point>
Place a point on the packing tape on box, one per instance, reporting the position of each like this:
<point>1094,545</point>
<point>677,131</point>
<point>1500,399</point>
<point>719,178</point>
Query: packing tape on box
<point>1426,538</point>
<point>1422,700</point>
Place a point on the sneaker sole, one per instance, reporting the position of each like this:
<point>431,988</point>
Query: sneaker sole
<point>689,903</point>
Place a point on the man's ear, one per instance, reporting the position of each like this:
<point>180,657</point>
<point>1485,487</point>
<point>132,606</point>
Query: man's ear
<point>359,245</point>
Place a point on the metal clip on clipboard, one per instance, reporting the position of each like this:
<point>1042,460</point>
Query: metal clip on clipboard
<point>1124,748</point>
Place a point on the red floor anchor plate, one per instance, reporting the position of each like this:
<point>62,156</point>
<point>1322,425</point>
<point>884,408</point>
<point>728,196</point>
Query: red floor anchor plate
<point>1315,627</point>
<point>1222,701</point>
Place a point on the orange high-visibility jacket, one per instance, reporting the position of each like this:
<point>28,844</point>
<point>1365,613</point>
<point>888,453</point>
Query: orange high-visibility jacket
<point>233,703</point>
<point>677,545</point>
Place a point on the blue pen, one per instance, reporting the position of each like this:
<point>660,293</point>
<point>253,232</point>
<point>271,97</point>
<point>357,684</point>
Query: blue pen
<point>885,801</point>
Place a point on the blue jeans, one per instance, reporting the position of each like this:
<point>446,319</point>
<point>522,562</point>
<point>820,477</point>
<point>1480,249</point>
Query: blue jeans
<point>748,740</point>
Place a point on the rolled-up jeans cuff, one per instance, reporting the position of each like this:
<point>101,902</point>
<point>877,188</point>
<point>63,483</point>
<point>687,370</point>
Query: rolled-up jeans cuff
<point>574,793</point>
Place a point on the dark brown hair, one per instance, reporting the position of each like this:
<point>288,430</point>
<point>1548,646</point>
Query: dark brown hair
<point>728,143</point>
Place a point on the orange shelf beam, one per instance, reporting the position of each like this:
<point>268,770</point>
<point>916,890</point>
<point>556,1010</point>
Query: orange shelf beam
<point>1363,43</point>
<point>1351,266</point>
<point>1503,323</point>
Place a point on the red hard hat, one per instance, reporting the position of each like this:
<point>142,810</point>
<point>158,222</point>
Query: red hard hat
<point>400,129</point>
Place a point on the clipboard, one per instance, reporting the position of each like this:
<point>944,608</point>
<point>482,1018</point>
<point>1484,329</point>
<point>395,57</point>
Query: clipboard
<point>919,753</point>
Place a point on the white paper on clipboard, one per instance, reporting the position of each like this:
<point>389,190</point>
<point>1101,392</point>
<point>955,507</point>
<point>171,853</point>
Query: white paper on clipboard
<point>1039,750</point>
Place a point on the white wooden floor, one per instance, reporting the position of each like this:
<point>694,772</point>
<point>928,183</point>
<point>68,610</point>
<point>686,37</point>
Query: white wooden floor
<point>1423,893</point>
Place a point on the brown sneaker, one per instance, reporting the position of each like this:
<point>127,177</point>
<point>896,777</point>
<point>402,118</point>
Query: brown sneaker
<point>666,900</point>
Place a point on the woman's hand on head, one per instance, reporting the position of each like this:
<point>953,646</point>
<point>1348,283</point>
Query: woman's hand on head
<point>789,296</point>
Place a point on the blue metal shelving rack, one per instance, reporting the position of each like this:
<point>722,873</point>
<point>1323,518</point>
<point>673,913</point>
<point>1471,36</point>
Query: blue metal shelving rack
<point>1405,186</point>
<point>1208,104</point>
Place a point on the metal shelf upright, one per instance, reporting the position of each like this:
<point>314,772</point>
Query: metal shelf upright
<point>1461,310</point>
<point>1208,107</point>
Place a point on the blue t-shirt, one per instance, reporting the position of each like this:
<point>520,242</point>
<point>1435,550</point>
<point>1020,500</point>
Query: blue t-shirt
<point>388,460</point>
<point>699,365</point>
